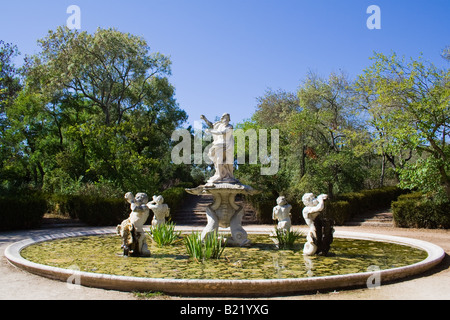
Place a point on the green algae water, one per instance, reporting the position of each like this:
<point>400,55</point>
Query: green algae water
<point>102,254</point>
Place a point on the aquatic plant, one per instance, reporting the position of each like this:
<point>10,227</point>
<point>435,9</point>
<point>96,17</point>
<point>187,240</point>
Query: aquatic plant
<point>164,234</point>
<point>210,248</point>
<point>286,239</point>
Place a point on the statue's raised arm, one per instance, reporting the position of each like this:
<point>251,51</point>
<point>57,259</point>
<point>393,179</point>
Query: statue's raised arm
<point>208,123</point>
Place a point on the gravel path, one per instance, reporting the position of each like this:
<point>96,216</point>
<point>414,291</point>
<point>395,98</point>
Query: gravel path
<point>16,284</point>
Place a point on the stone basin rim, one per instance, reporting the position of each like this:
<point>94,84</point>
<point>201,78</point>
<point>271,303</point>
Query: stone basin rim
<point>218,287</point>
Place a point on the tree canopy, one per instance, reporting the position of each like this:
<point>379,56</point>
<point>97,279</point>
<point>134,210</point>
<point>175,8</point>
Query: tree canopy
<point>95,109</point>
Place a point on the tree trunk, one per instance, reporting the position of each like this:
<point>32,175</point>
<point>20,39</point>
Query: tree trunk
<point>383,170</point>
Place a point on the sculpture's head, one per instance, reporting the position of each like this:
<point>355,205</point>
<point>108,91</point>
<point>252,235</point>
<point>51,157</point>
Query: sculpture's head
<point>141,198</point>
<point>158,199</point>
<point>225,117</point>
<point>308,200</point>
<point>281,201</point>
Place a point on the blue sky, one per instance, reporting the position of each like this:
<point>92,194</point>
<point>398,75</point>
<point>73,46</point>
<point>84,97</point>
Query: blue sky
<point>226,53</point>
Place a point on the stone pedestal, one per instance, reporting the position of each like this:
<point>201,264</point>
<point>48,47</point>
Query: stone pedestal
<point>224,212</point>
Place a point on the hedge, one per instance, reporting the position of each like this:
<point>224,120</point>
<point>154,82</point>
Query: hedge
<point>22,212</point>
<point>367,200</point>
<point>342,208</point>
<point>96,211</point>
<point>93,211</point>
<point>174,197</point>
<point>415,211</point>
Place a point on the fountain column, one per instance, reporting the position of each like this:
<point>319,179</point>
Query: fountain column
<point>223,212</point>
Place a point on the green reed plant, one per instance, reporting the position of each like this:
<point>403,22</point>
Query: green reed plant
<point>210,248</point>
<point>164,234</point>
<point>286,239</point>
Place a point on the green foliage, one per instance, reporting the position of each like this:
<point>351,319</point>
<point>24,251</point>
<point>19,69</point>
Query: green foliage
<point>94,108</point>
<point>263,204</point>
<point>409,102</point>
<point>211,247</point>
<point>174,197</point>
<point>416,211</point>
<point>164,234</point>
<point>342,208</point>
<point>347,205</point>
<point>97,211</point>
<point>286,239</point>
<point>340,211</point>
<point>23,211</point>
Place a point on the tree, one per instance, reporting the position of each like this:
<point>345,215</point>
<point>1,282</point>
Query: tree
<point>446,53</point>
<point>9,75</point>
<point>11,164</point>
<point>111,69</point>
<point>413,101</point>
<point>97,109</point>
<point>317,138</point>
<point>275,107</point>
<point>325,126</point>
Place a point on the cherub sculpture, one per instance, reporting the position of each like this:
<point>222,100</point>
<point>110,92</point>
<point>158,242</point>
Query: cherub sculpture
<point>160,209</point>
<point>132,229</point>
<point>320,232</point>
<point>282,213</point>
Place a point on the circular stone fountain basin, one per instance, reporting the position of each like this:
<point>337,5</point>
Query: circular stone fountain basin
<point>282,282</point>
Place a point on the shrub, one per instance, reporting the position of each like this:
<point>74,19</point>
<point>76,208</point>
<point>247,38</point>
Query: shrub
<point>415,211</point>
<point>339,211</point>
<point>97,211</point>
<point>341,208</point>
<point>263,204</point>
<point>22,212</point>
<point>58,204</point>
<point>367,200</point>
<point>174,197</point>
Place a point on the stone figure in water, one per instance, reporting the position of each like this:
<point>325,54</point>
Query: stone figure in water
<point>160,209</point>
<point>221,152</point>
<point>320,234</point>
<point>282,213</point>
<point>132,229</point>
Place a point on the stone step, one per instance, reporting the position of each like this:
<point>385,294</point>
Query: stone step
<point>193,211</point>
<point>381,218</point>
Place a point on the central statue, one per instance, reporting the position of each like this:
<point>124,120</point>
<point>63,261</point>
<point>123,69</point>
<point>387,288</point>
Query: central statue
<point>221,152</point>
<point>223,212</point>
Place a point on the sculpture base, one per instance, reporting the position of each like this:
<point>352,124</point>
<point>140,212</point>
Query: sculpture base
<point>224,212</point>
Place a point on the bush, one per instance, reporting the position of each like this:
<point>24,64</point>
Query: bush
<point>97,211</point>
<point>22,212</point>
<point>367,200</point>
<point>339,211</point>
<point>263,204</point>
<point>342,208</point>
<point>415,211</point>
<point>174,197</point>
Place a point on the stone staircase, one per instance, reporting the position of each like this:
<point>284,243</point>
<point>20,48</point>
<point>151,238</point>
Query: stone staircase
<point>380,218</point>
<point>193,211</point>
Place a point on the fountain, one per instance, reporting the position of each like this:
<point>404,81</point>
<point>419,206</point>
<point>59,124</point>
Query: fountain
<point>169,270</point>
<point>224,212</point>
